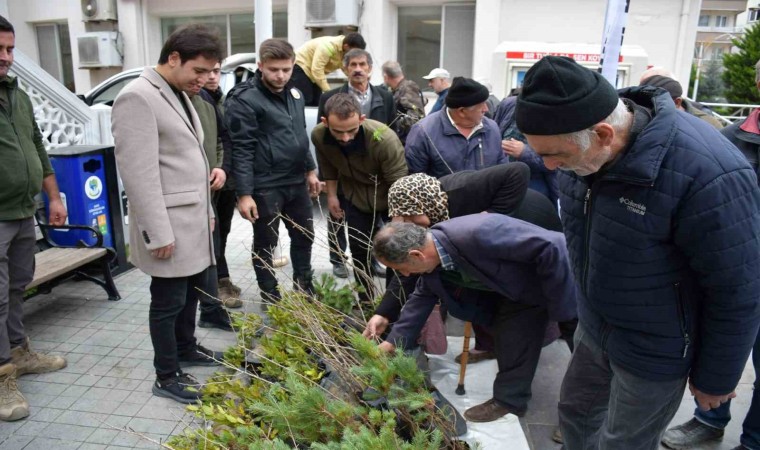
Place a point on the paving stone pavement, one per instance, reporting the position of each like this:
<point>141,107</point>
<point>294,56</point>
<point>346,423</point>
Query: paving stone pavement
<point>105,390</point>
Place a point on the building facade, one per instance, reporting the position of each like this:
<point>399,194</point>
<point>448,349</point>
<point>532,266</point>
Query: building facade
<point>465,37</point>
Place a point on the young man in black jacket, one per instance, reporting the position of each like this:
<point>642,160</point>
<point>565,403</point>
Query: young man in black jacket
<point>273,168</point>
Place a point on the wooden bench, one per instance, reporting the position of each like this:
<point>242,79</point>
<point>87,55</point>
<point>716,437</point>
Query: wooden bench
<point>55,264</point>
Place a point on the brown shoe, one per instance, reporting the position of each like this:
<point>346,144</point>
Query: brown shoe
<point>227,283</point>
<point>227,294</point>
<point>476,357</point>
<point>13,405</point>
<point>488,412</point>
<point>29,361</point>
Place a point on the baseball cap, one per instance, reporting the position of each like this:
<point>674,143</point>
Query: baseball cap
<point>437,73</point>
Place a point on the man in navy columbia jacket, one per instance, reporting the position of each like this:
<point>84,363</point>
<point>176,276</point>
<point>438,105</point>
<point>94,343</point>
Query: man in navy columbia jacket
<point>661,216</point>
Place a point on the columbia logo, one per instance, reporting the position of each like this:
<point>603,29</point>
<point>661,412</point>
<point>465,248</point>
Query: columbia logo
<point>634,207</point>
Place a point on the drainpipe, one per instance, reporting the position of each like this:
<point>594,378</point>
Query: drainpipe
<point>682,27</point>
<point>262,19</point>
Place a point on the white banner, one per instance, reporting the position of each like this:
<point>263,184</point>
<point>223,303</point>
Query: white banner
<point>612,39</point>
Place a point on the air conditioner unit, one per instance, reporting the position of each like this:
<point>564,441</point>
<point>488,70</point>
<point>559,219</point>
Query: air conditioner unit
<point>98,10</point>
<point>331,13</point>
<point>99,49</point>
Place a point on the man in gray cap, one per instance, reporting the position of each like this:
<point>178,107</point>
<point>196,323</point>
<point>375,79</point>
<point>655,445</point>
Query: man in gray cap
<point>676,92</point>
<point>660,215</point>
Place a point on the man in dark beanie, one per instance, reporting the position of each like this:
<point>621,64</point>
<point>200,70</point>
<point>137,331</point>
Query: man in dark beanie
<point>660,215</point>
<point>676,92</point>
<point>458,137</point>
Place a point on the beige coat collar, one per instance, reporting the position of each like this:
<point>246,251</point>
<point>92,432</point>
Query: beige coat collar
<point>193,122</point>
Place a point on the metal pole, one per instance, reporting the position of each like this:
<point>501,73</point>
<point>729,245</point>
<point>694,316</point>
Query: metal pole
<point>612,38</point>
<point>262,19</point>
<point>699,70</point>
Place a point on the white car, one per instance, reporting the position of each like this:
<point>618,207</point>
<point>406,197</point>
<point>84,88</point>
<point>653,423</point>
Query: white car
<point>234,69</point>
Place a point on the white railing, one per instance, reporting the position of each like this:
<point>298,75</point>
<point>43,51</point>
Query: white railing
<point>63,118</point>
<point>737,111</point>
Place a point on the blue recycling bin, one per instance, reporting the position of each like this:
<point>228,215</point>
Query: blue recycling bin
<point>81,175</point>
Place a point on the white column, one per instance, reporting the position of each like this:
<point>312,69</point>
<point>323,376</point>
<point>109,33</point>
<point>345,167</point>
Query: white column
<point>487,37</point>
<point>262,18</point>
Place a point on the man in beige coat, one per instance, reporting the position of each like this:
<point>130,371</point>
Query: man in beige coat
<point>158,139</point>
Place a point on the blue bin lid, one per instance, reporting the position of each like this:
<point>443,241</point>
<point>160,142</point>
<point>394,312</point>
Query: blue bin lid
<point>79,150</point>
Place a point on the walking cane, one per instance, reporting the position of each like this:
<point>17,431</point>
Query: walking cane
<point>465,355</point>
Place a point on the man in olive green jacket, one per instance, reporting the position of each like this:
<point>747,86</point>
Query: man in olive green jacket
<point>213,315</point>
<point>365,157</point>
<point>24,169</point>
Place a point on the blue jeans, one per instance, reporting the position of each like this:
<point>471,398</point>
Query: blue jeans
<point>719,417</point>
<point>604,407</point>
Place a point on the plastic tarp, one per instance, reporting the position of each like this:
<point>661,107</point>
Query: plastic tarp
<point>504,433</point>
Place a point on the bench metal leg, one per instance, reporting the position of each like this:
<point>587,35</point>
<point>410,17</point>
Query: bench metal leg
<point>109,285</point>
<point>106,283</point>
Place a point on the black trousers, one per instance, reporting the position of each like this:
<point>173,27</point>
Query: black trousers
<point>361,230</point>
<point>225,202</point>
<point>518,333</point>
<point>311,92</point>
<point>336,236</point>
<point>211,308</point>
<point>294,205</point>
<point>172,317</point>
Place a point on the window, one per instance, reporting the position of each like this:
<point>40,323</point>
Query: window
<point>717,52</point>
<point>236,30</point>
<point>54,47</point>
<point>704,21</point>
<point>424,31</point>
<point>720,21</point>
<point>754,15</point>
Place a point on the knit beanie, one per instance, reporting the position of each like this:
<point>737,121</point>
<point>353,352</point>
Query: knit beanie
<point>418,194</point>
<point>465,92</point>
<point>560,96</point>
<point>669,84</point>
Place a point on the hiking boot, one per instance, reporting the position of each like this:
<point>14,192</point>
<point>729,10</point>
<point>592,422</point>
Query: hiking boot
<point>475,357</point>
<point>221,321</point>
<point>201,357</point>
<point>282,261</point>
<point>304,286</point>
<point>229,294</point>
<point>488,412</point>
<point>227,283</point>
<point>29,361</point>
<point>13,405</point>
<point>690,434</point>
<point>340,271</point>
<point>557,436</point>
<point>181,387</point>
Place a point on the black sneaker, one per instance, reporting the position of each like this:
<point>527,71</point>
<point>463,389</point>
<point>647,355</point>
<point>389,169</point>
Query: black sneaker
<point>339,270</point>
<point>220,321</point>
<point>378,269</point>
<point>182,387</point>
<point>201,357</point>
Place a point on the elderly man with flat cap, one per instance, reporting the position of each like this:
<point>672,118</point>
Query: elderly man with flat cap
<point>661,217</point>
<point>676,92</point>
<point>458,137</point>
